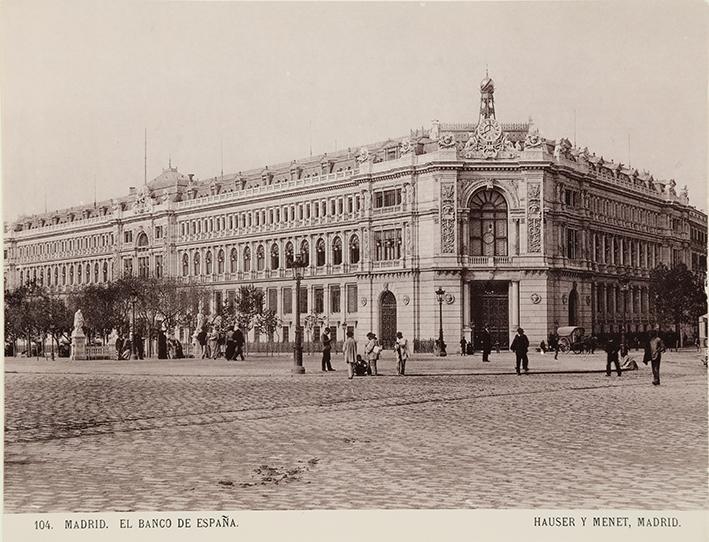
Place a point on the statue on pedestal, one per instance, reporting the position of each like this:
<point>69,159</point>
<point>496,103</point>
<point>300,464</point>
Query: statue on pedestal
<point>78,324</point>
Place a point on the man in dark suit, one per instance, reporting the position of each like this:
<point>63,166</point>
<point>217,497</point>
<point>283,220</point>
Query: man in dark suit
<point>486,342</point>
<point>326,348</point>
<point>520,346</point>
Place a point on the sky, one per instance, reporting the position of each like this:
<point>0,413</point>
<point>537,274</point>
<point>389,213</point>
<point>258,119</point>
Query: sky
<point>81,82</point>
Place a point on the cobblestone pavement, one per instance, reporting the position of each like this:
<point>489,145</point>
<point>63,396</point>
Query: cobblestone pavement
<point>454,433</point>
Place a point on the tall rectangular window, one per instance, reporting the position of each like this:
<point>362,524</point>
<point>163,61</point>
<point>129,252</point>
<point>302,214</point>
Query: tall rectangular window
<point>303,300</point>
<point>158,266</point>
<point>128,267</point>
<point>287,300</point>
<point>334,299</point>
<point>351,298</point>
<point>144,266</point>
<point>273,299</point>
<point>571,243</point>
<point>319,299</point>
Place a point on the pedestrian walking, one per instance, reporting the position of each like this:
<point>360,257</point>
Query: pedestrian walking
<point>401,345</point>
<point>486,342</point>
<point>372,353</point>
<point>349,352</point>
<point>463,346</point>
<point>139,346</point>
<point>612,349</point>
<point>326,348</point>
<point>239,342</point>
<point>657,347</point>
<point>119,346</point>
<point>213,343</point>
<point>202,341</point>
<point>230,344</point>
<point>520,346</point>
<point>554,343</point>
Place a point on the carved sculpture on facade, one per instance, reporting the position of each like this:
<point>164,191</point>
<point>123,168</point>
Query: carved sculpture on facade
<point>446,141</point>
<point>435,129</point>
<point>447,218</point>
<point>533,140</point>
<point>143,201</point>
<point>534,222</point>
<point>363,155</point>
<point>489,142</point>
<point>406,147</point>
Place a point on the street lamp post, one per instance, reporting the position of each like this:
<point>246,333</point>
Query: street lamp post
<point>133,346</point>
<point>624,287</point>
<point>51,334</point>
<point>441,345</point>
<point>298,368</point>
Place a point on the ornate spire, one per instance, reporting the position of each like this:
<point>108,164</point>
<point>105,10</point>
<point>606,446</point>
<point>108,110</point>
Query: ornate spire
<point>487,99</point>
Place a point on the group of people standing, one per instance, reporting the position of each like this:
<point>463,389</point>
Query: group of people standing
<point>215,343</point>
<point>372,350</point>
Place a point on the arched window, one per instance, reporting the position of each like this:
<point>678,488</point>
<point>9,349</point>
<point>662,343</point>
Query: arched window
<point>71,274</point>
<point>78,274</point>
<point>142,240</point>
<point>56,276</point>
<point>105,271</point>
<point>49,276</point>
<point>289,255</point>
<point>336,251</point>
<point>260,258</point>
<point>185,265</point>
<point>488,224</point>
<point>88,273</point>
<point>220,262</point>
<point>208,262</point>
<point>354,249</point>
<point>96,273</point>
<point>320,252</point>
<point>195,264</point>
<point>232,261</point>
<point>274,256</point>
<point>247,259</point>
<point>305,252</point>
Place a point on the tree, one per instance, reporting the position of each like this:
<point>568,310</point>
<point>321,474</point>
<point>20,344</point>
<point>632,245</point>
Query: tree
<point>678,295</point>
<point>249,304</point>
<point>267,322</point>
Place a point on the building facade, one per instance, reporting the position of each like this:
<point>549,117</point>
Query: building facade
<point>517,229</point>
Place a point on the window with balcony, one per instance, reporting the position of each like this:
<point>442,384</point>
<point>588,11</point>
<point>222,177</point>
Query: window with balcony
<point>196,264</point>
<point>232,260</point>
<point>337,251</point>
<point>354,249</point>
<point>289,255</point>
<point>305,252</point>
<point>247,259</point>
<point>320,252</point>
<point>127,267</point>
<point>387,244</point>
<point>144,266</point>
<point>158,267</point>
<point>220,262</point>
<point>488,223</point>
<point>260,258</point>
<point>275,260</point>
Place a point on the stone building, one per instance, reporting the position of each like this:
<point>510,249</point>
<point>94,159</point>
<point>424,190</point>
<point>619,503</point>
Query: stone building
<point>517,229</point>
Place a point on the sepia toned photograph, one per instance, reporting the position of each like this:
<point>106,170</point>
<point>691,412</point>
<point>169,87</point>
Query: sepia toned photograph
<point>354,256</point>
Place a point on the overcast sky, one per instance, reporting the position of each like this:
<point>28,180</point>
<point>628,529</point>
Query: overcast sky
<point>80,82</point>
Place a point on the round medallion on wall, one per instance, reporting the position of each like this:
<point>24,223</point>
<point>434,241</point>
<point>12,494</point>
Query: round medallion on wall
<point>406,299</point>
<point>449,298</point>
<point>363,301</point>
<point>564,299</point>
<point>536,298</point>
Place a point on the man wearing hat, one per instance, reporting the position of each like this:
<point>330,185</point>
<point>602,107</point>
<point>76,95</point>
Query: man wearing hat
<point>519,346</point>
<point>372,353</point>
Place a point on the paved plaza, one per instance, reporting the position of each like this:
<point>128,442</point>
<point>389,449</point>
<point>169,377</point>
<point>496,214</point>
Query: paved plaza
<point>454,433</point>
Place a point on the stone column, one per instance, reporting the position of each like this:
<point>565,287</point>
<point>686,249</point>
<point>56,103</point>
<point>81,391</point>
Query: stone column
<point>514,306</point>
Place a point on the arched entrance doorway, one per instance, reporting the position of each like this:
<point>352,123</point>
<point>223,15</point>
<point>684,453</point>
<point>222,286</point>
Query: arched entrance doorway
<point>387,319</point>
<point>573,307</point>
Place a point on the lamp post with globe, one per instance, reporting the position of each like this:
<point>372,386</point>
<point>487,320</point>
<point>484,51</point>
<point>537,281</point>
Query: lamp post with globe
<point>441,345</point>
<point>298,368</point>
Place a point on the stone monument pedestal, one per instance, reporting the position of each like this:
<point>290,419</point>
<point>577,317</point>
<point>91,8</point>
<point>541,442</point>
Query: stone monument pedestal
<point>78,345</point>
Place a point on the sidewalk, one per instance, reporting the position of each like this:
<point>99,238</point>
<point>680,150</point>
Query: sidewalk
<point>281,365</point>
